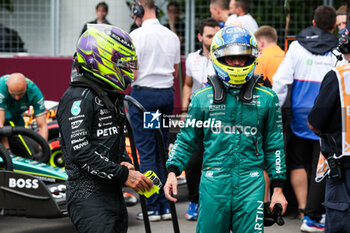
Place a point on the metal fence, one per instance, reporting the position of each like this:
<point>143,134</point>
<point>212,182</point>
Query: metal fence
<point>22,23</point>
<point>52,27</point>
<point>268,12</point>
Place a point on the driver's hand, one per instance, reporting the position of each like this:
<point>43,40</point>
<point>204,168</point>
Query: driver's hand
<point>278,197</point>
<point>170,187</point>
<point>138,181</point>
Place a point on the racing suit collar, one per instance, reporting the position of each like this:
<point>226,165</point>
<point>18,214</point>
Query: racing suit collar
<point>231,90</point>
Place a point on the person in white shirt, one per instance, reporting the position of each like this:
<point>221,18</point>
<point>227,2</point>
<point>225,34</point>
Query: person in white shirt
<point>232,7</point>
<point>241,17</point>
<point>158,52</point>
<point>198,67</point>
<point>219,10</point>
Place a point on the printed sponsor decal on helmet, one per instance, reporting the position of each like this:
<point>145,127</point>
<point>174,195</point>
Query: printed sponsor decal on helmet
<point>121,40</point>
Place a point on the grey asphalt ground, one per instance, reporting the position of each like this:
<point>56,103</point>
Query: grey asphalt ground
<point>63,225</point>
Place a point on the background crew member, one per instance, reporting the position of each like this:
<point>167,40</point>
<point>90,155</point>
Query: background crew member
<point>158,52</point>
<point>329,118</point>
<point>300,74</point>
<point>17,94</point>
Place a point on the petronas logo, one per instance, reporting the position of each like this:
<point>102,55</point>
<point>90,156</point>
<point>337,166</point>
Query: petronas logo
<point>75,110</point>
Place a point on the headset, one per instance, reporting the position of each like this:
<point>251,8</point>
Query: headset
<point>137,10</point>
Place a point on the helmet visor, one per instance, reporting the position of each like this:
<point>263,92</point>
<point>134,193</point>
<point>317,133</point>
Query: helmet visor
<point>235,49</point>
<point>127,62</point>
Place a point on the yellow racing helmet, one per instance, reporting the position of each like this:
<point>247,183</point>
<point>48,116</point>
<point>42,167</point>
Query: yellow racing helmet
<point>234,41</point>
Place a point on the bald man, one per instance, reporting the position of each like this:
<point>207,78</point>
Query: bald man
<point>17,93</point>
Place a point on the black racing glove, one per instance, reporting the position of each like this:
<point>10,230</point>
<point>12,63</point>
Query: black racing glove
<point>274,216</point>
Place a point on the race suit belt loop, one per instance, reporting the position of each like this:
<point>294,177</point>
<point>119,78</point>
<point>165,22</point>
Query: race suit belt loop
<point>151,88</point>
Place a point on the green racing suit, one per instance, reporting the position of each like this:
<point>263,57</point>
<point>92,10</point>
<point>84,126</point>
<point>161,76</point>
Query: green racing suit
<point>240,139</point>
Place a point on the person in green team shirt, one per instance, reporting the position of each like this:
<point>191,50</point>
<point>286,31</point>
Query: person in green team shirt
<point>17,93</point>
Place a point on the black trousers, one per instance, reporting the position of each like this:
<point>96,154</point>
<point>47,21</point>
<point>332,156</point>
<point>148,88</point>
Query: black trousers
<point>314,208</point>
<point>98,215</point>
<point>305,153</point>
<point>193,173</point>
<point>337,203</point>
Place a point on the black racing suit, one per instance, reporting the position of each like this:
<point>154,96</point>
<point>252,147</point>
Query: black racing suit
<point>93,145</point>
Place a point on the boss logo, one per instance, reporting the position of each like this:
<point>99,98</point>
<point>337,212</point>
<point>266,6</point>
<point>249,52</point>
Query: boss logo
<point>23,183</point>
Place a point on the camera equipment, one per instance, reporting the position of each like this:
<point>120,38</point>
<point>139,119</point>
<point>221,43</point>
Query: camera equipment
<point>344,44</point>
<point>334,162</point>
<point>335,167</point>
